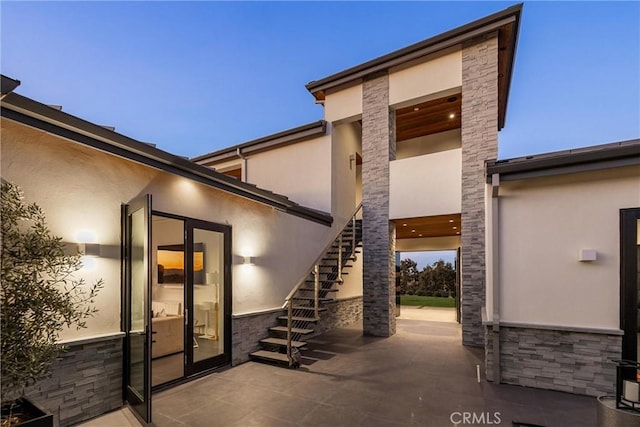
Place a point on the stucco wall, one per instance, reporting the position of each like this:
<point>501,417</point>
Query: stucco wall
<point>428,144</point>
<point>440,72</point>
<point>81,189</point>
<point>343,104</point>
<point>544,222</point>
<point>346,142</point>
<point>300,171</point>
<point>426,185</point>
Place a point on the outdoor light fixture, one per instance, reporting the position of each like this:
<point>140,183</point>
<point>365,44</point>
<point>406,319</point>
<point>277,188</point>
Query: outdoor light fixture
<point>85,244</point>
<point>248,260</point>
<point>89,249</point>
<point>452,115</point>
<point>587,255</point>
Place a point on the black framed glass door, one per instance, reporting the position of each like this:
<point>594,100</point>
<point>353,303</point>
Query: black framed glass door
<point>208,295</point>
<point>630,282</point>
<point>137,304</point>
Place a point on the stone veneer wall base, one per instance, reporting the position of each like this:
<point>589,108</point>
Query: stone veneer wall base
<point>569,361</point>
<point>85,382</point>
<point>249,329</point>
<point>340,312</point>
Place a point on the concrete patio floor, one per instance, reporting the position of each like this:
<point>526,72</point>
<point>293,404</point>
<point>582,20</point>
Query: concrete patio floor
<point>420,376</point>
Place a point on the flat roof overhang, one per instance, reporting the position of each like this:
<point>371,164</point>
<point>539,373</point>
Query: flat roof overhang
<point>506,23</point>
<point>607,156</point>
<point>280,139</point>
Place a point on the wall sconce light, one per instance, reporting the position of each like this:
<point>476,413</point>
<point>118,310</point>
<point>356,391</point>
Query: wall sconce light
<point>89,249</point>
<point>248,260</point>
<point>352,160</point>
<point>587,255</point>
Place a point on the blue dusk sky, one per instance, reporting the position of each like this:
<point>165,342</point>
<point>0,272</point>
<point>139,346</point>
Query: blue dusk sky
<point>194,77</point>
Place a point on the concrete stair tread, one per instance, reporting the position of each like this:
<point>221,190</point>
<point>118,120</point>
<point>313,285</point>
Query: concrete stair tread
<point>298,319</point>
<point>282,342</point>
<point>272,356</point>
<point>301,307</point>
<point>302,331</point>
<point>311,299</point>
<point>319,290</point>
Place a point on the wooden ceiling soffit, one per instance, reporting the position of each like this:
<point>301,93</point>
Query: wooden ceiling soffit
<point>429,117</point>
<point>506,46</point>
<point>428,226</point>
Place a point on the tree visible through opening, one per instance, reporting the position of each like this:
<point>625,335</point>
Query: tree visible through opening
<point>428,278</point>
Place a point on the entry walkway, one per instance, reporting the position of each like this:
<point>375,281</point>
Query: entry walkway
<point>421,376</point>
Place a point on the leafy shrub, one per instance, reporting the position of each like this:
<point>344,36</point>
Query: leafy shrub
<point>39,295</point>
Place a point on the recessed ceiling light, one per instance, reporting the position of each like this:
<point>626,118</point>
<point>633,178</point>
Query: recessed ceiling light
<point>416,109</point>
<point>450,220</point>
<point>452,115</point>
<point>404,225</point>
<point>419,235</point>
<point>455,228</point>
<point>452,99</point>
<point>413,231</point>
<point>457,232</point>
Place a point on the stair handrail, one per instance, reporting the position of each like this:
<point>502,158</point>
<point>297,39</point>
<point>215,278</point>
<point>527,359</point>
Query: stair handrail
<point>324,251</point>
<point>288,303</point>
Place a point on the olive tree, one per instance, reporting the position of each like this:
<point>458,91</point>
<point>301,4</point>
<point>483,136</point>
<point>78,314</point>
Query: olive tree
<point>40,295</point>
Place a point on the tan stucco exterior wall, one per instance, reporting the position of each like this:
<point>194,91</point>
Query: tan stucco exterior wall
<point>426,185</point>
<point>80,188</point>
<point>544,222</point>
<point>441,71</point>
<point>300,171</point>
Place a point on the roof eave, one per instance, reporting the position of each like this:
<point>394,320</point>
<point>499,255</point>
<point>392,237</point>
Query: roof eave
<point>429,46</point>
<point>280,139</point>
<point>458,35</point>
<point>34,114</point>
<point>7,85</point>
<point>621,154</point>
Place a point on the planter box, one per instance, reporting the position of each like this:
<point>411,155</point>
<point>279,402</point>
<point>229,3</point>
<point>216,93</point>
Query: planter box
<point>36,416</point>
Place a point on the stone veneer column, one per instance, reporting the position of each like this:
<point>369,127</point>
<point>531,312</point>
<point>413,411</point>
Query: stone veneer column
<point>479,143</point>
<point>378,233</point>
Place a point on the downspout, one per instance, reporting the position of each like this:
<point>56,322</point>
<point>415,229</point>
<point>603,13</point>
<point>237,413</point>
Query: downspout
<point>243,167</point>
<point>495,265</point>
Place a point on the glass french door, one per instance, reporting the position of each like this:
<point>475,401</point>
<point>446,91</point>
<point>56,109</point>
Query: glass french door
<point>137,303</point>
<point>208,295</point>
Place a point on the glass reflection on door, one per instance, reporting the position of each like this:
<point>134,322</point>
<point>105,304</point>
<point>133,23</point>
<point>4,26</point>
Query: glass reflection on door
<point>136,268</point>
<point>208,294</point>
<point>137,334</point>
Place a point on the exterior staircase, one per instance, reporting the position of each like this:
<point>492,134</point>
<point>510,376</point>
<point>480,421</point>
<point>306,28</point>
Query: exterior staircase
<point>305,303</point>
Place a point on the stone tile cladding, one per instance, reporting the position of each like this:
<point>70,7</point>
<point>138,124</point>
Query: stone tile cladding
<point>86,381</point>
<point>340,312</point>
<point>574,362</point>
<point>479,143</point>
<point>378,235</point>
<point>248,330</point>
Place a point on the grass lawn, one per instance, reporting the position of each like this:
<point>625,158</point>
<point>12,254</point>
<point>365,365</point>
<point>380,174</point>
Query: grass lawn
<point>419,301</point>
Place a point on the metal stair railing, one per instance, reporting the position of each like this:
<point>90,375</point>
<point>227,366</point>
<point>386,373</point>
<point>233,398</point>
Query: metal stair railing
<point>295,314</point>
